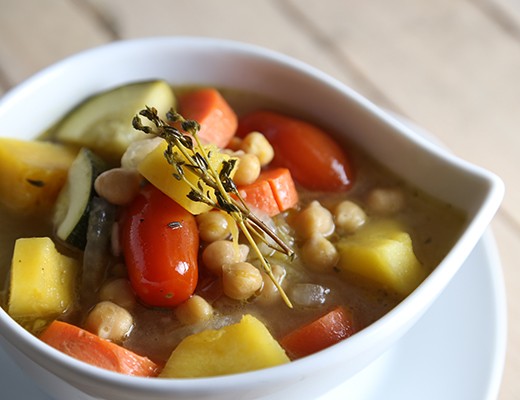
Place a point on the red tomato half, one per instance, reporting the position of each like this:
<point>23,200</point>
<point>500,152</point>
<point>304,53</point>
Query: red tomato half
<point>314,158</point>
<point>160,242</point>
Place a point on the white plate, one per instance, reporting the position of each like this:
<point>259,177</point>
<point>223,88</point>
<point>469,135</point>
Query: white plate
<point>456,351</point>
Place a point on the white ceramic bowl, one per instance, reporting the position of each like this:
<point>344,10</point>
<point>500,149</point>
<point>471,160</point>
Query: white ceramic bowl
<point>34,105</point>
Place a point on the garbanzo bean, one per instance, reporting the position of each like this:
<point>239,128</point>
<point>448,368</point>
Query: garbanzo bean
<point>118,186</point>
<point>257,144</point>
<point>385,200</point>
<point>348,216</point>
<point>195,309</point>
<point>319,254</point>
<point>221,252</point>
<point>241,280</point>
<point>118,291</point>
<point>248,169</point>
<point>109,321</point>
<point>213,225</point>
<point>314,219</point>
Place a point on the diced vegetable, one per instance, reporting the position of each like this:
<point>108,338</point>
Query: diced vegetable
<point>33,173</point>
<point>103,122</point>
<point>160,242</point>
<point>381,253</point>
<point>273,192</point>
<point>325,331</point>
<point>315,160</point>
<point>73,204</point>
<point>241,347</point>
<point>89,348</point>
<point>43,281</point>
<point>156,169</point>
<point>218,122</point>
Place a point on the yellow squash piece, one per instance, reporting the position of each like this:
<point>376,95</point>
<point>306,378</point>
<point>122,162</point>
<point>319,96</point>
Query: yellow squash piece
<point>42,280</point>
<point>381,253</point>
<point>241,347</point>
<point>156,169</point>
<point>33,173</point>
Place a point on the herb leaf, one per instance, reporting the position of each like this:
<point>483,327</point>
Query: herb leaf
<point>196,159</point>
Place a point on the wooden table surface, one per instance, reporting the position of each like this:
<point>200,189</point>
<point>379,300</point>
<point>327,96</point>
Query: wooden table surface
<point>451,66</point>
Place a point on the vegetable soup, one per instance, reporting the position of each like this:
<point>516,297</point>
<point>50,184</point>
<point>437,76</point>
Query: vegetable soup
<point>189,232</point>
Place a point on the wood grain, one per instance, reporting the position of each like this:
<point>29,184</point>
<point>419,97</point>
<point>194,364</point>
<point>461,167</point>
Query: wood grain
<point>451,66</point>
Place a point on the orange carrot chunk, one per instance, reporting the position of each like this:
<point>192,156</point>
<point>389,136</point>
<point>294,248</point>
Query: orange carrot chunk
<point>273,192</point>
<point>315,159</point>
<point>218,122</point>
<point>89,348</point>
<point>282,185</point>
<point>327,330</point>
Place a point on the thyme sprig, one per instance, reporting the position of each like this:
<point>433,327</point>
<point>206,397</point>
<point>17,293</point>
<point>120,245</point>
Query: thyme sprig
<point>185,152</point>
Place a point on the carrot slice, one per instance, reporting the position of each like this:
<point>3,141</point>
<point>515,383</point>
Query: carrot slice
<point>87,347</point>
<point>315,159</point>
<point>218,121</point>
<point>325,331</point>
<point>273,192</point>
<point>282,185</point>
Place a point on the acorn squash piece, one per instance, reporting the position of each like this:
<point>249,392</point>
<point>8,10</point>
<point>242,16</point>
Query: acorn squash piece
<point>157,171</point>
<point>42,282</point>
<point>241,347</point>
<point>381,253</point>
<point>33,173</point>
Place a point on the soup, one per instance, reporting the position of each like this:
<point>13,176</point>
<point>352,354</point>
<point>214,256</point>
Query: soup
<point>179,253</point>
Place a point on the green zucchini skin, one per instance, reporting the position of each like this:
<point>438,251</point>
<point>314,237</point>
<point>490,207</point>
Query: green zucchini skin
<point>103,122</point>
<point>71,213</point>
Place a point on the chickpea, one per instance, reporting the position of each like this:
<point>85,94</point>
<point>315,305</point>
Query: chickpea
<point>213,225</point>
<point>241,280</point>
<point>109,321</point>
<point>118,186</point>
<point>195,309</point>
<point>349,216</point>
<point>385,200</point>
<point>257,144</point>
<point>319,254</point>
<point>248,169</point>
<point>221,252</point>
<point>137,151</point>
<point>118,291</point>
<point>269,293</point>
<point>314,219</point>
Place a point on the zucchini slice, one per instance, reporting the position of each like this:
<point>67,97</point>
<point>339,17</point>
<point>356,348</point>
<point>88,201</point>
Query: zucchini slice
<point>71,213</point>
<point>103,122</point>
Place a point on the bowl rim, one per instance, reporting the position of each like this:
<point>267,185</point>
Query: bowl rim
<point>414,305</point>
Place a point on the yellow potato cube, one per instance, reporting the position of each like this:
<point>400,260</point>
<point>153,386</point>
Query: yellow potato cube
<point>33,172</point>
<point>241,347</point>
<point>382,254</point>
<point>42,280</point>
<point>156,169</point>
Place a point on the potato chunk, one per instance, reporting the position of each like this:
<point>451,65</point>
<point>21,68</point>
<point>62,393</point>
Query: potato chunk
<point>156,169</point>
<point>33,173</point>
<point>42,280</point>
<point>241,347</point>
<point>381,253</point>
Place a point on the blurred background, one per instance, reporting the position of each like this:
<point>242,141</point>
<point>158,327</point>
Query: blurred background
<point>450,66</point>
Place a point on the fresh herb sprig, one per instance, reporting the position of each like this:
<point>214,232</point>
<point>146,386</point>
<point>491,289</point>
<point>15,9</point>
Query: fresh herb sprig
<point>184,152</point>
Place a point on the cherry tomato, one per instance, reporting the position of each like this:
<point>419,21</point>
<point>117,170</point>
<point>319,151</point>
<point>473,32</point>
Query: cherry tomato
<point>315,160</point>
<point>160,242</point>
